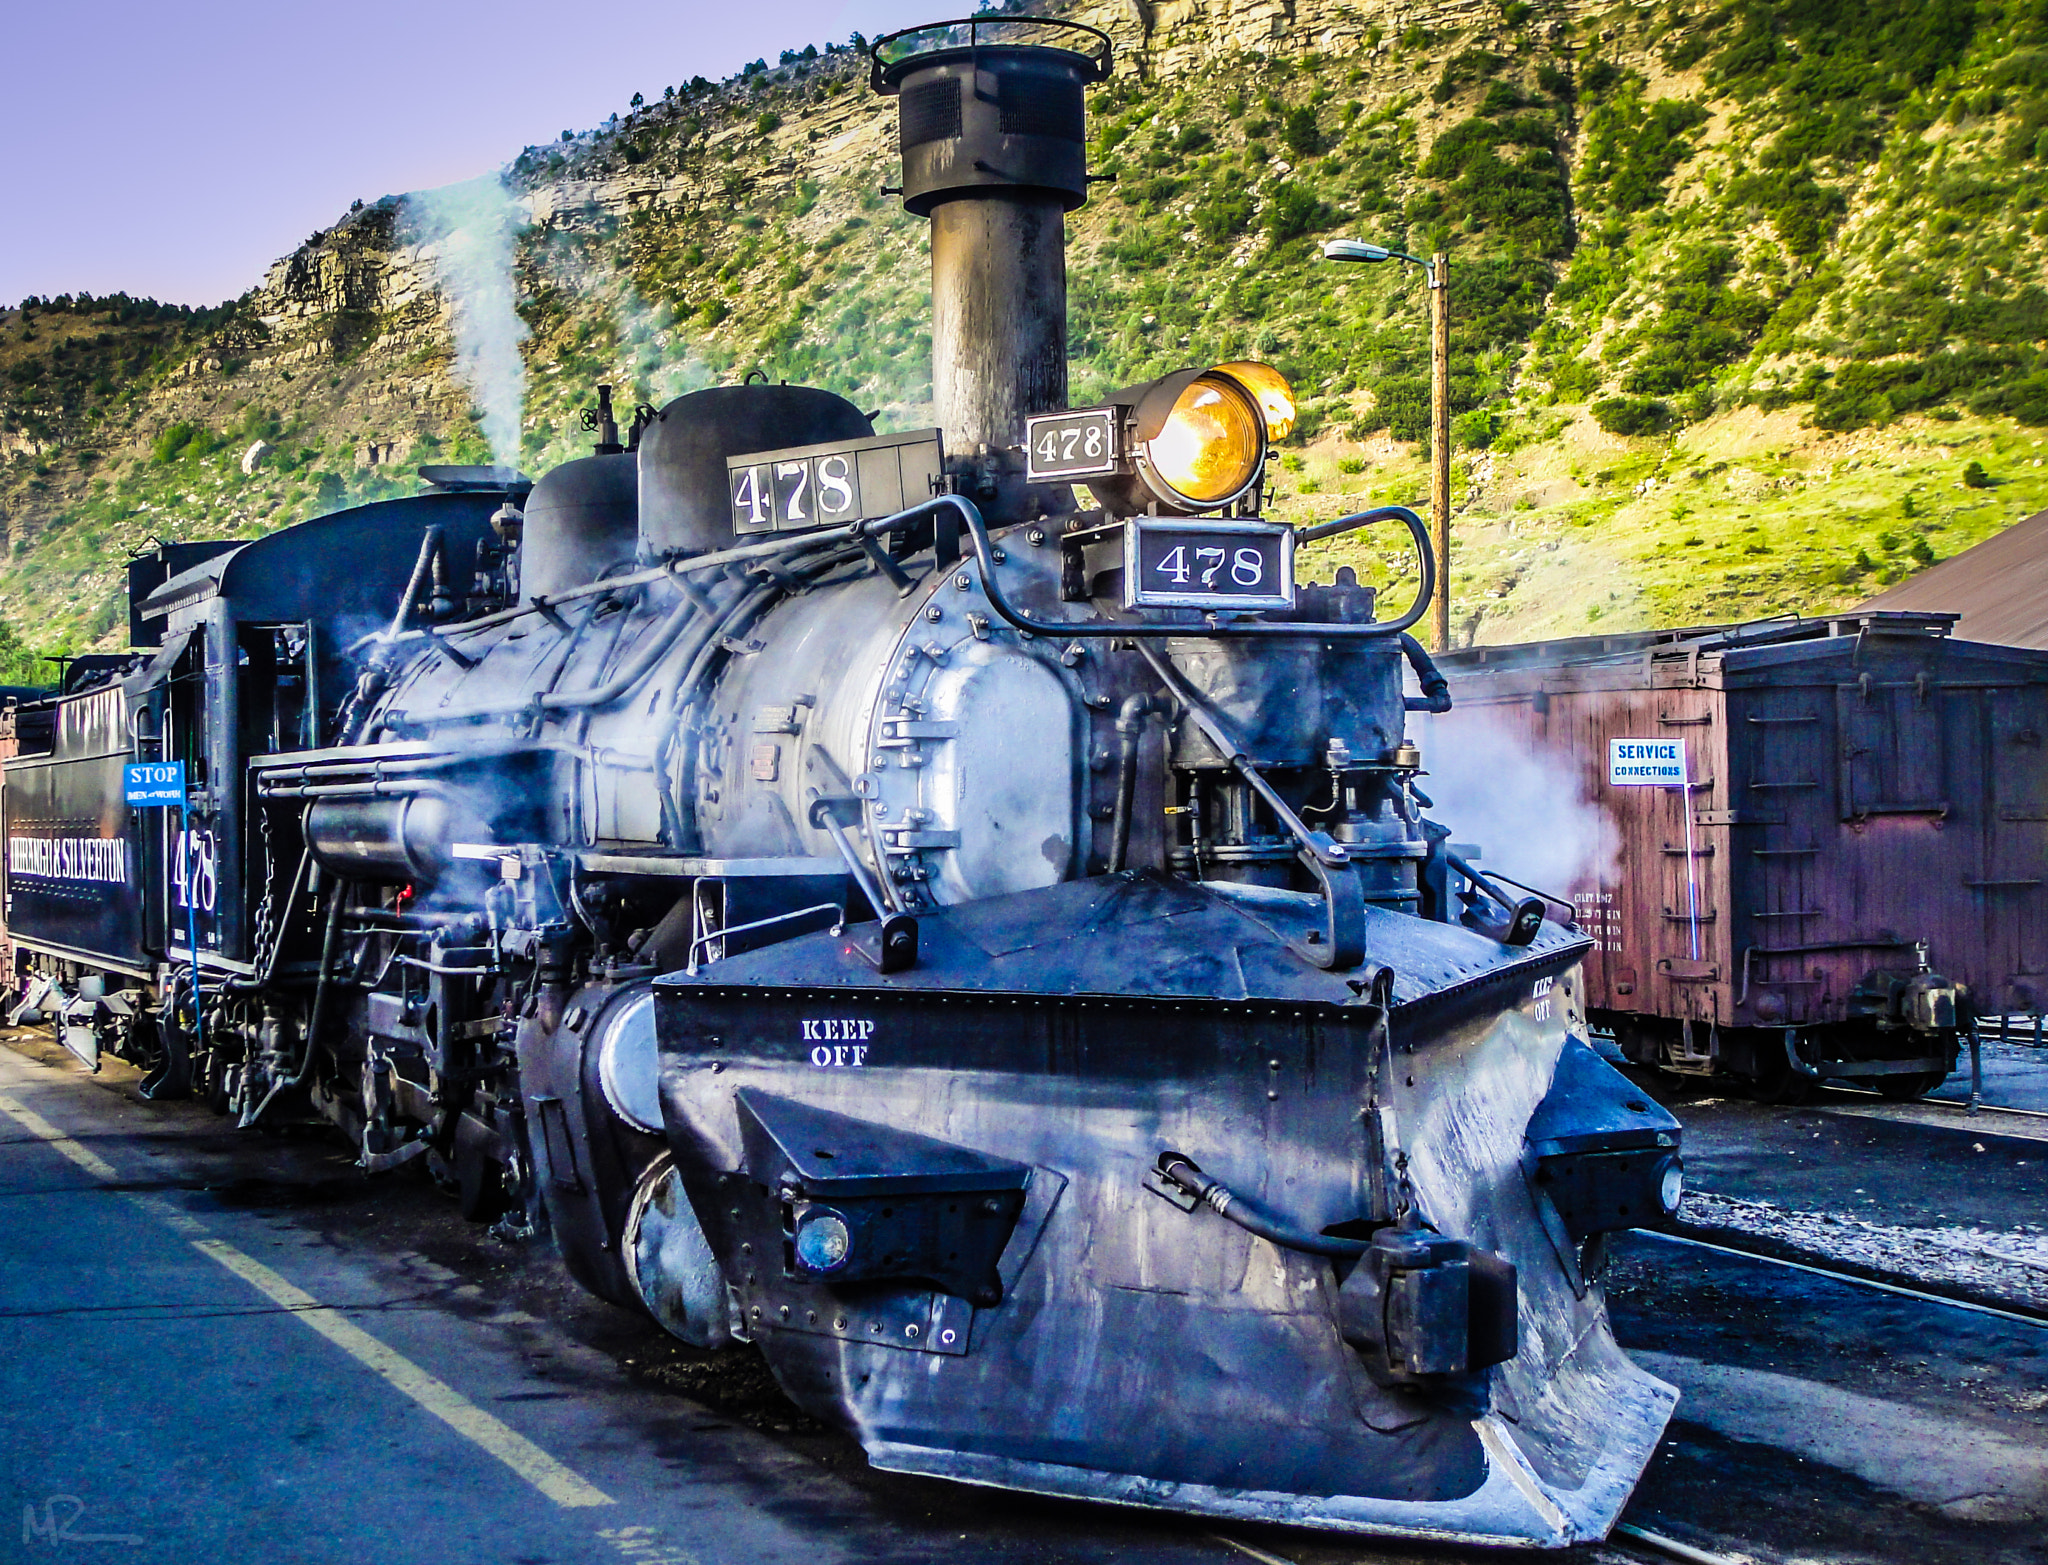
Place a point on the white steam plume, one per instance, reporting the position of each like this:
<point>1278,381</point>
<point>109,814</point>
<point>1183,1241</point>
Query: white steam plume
<point>1524,808</point>
<point>469,232</point>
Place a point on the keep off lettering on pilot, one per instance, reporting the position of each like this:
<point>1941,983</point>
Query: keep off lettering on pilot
<point>841,1041</point>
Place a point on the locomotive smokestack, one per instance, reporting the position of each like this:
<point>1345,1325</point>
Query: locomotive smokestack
<point>993,129</point>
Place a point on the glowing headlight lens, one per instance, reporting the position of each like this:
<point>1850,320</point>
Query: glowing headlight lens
<point>1212,442</point>
<point>822,1240</point>
<point>1672,1186</point>
<point>1269,386</point>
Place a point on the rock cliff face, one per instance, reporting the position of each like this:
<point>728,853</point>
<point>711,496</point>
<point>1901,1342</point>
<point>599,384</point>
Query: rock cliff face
<point>1787,244</point>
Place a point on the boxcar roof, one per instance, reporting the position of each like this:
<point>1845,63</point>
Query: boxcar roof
<point>1633,648</point>
<point>1998,590</point>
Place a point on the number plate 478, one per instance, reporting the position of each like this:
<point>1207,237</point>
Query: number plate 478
<point>1208,565</point>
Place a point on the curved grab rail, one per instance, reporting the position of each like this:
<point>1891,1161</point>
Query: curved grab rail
<point>977,530</point>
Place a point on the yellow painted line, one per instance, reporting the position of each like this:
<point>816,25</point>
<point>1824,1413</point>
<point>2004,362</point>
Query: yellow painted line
<point>454,1409</point>
<point>32,1122</point>
<point>526,1459</point>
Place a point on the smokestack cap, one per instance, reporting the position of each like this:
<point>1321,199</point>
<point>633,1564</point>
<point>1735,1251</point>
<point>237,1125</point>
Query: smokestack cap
<point>985,111</point>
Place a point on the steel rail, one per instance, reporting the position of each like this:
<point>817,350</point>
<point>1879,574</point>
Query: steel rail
<point>1832,1275</point>
<point>1674,1548</point>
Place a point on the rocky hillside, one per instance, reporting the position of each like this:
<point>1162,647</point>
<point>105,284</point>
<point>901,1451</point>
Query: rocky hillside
<point>1749,302</point>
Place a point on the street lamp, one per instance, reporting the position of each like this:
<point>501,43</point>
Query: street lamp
<point>1439,404</point>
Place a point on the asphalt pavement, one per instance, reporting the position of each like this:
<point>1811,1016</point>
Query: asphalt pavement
<point>225,1348</point>
<point>217,1346</point>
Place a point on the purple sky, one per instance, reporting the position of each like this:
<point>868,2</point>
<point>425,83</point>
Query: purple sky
<point>175,151</point>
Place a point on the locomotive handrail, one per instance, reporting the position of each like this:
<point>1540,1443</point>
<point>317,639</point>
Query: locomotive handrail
<point>668,570</point>
<point>642,663</point>
<point>970,514</point>
<point>1341,944</point>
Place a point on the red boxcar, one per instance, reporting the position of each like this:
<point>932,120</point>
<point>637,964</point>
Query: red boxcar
<point>1828,838</point>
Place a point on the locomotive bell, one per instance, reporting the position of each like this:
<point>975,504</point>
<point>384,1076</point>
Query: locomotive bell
<point>993,129</point>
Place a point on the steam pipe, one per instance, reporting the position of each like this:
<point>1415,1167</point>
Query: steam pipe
<point>637,668</point>
<point>430,549</point>
<point>668,570</point>
<point>1436,690</point>
<point>382,788</point>
<point>262,980</point>
<point>1130,726</point>
<point>329,942</point>
<point>1317,843</point>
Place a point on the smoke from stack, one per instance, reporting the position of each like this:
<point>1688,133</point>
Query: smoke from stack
<point>470,233</point>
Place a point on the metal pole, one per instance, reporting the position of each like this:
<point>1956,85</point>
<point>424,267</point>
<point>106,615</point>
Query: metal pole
<point>1440,439</point>
<point>1976,1069</point>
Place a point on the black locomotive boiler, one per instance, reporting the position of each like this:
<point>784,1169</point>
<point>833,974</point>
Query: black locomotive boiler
<point>986,948</point>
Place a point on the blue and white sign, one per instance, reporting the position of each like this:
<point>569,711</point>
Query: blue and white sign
<point>1646,763</point>
<point>149,784</point>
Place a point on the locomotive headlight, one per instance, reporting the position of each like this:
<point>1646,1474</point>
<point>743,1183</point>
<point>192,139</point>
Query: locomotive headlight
<point>1671,1185</point>
<point>822,1240</point>
<point>1269,386</point>
<point>1187,443</point>
<point>1210,447</point>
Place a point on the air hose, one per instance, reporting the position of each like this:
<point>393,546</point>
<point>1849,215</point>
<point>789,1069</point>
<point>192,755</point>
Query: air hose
<point>1185,1175</point>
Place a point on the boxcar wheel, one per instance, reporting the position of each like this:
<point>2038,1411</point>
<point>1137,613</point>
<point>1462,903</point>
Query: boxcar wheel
<point>1775,1081</point>
<point>1904,1089</point>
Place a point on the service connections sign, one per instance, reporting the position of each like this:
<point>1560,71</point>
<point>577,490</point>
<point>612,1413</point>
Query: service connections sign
<point>1646,763</point>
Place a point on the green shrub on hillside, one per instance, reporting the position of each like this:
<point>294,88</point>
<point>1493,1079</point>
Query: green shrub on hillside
<point>20,664</point>
<point>1475,430</point>
<point>1292,210</point>
<point>1633,148</point>
<point>1865,393</point>
<point>1703,325</point>
<point>1575,380</point>
<point>1799,207</point>
<point>183,439</point>
<point>1522,203</point>
<point>1631,415</point>
<point>1469,66</point>
<point>1301,134</point>
<point>1225,212</point>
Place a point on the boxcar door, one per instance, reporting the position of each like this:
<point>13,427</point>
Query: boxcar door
<point>1781,887</point>
<point>2010,898</point>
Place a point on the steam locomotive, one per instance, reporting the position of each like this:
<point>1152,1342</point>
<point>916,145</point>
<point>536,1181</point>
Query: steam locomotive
<point>947,907</point>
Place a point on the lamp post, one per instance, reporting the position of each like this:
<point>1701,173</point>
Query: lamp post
<point>1439,404</point>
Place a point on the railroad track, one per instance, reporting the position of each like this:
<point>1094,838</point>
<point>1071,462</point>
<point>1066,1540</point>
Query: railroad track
<point>1988,1118</point>
<point>1958,1106</point>
<point>1624,1532</point>
<point>2025,1315</point>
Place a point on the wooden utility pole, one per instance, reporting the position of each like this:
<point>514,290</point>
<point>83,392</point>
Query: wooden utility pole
<point>1440,438</point>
